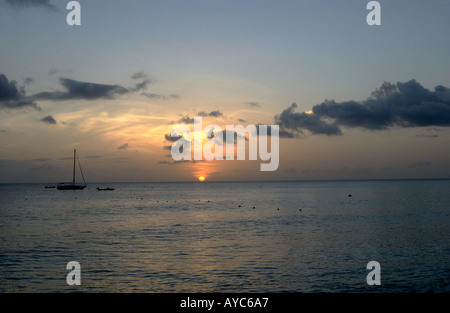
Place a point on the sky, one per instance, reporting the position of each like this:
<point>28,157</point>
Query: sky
<point>352,101</point>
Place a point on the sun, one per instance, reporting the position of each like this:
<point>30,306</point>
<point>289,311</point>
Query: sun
<point>201,178</point>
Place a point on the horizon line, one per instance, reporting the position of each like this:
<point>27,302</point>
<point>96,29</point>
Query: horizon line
<point>238,181</point>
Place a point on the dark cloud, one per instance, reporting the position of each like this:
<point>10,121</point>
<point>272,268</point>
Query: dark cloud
<point>142,85</point>
<point>123,147</point>
<point>12,97</point>
<point>292,123</point>
<point>49,120</point>
<point>406,104</point>
<point>169,138</point>
<point>427,136</point>
<point>8,89</point>
<point>18,4</point>
<point>216,113</point>
<point>82,90</point>
<point>20,103</point>
<point>139,75</point>
<point>184,120</point>
<point>152,95</point>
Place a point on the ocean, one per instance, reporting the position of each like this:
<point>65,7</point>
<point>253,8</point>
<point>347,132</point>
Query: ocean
<point>219,237</point>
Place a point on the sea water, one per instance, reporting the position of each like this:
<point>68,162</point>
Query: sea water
<point>306,236</point>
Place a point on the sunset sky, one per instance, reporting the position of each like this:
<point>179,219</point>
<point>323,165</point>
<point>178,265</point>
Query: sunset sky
<point>352,101</point>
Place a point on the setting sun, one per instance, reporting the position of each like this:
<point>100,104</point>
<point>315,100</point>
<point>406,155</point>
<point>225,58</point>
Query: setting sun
<point>201,178</point>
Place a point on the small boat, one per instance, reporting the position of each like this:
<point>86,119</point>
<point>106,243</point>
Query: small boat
<point>50,187</point>
<point>73,185</point>
<point>101,189</point>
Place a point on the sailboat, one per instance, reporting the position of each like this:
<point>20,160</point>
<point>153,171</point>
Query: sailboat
<point>72,185</point>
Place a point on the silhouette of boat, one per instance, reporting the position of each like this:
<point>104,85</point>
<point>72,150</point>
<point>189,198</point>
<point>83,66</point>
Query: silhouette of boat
<point>101,189</point>
<point>72,185</point>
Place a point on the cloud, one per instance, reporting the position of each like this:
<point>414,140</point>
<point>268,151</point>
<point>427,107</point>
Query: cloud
<point>406,104</point>
<point>172,139</point>
<point>12,97</point>
<point>142,85</point>
<point>139,75</point>
<point>216,113</point>
<point>427,136</point>
<point>8,90</point>
<point>76,90</point>
<point>292,123</point>
<point>151,95</point>
<point>18,4</point>
<point>123,147</point>
<point>184,120</point>
<point>49,120</point>
<point>82,90</point>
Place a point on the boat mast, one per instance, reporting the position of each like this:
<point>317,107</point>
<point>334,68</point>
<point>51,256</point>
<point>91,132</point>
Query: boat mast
<point>73,180</point>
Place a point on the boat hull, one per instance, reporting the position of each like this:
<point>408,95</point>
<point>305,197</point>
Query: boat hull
<point>71,187</point>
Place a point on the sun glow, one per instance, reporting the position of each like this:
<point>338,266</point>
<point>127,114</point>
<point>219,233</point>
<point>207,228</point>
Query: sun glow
<point>201,178</point>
